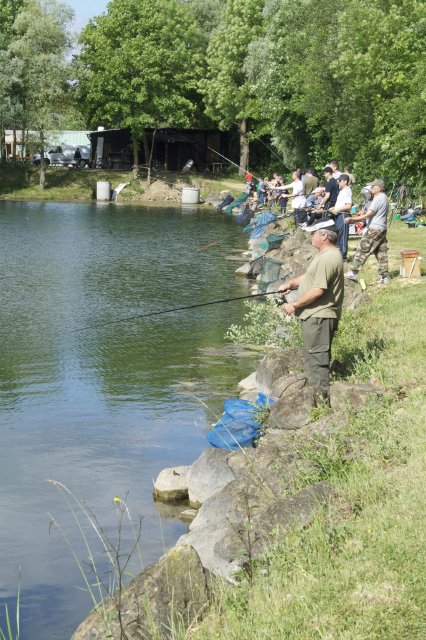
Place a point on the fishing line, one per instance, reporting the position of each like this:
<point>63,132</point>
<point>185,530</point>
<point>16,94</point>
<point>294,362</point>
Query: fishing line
<point>164,311</point>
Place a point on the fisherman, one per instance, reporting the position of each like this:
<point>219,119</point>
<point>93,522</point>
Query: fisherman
<point>297,195</point>
<point>374,240</point>
<point>340,211</point>
<point>310,182</point>
<point>319,306</point>
<point>331,189</point>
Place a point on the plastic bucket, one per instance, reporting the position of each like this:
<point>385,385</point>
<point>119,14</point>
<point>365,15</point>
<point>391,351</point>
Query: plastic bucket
<point>103,191</point>
<point>190,196</point>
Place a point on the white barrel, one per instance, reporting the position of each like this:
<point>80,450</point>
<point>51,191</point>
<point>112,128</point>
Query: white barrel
<point>190,196</point>
<point>103,191</point>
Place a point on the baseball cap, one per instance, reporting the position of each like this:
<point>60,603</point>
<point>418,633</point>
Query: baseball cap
<point>324,224</point>
<point>378,183</point>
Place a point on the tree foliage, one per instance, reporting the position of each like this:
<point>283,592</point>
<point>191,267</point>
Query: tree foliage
<point>231,97</point>
<point>346,81</point>
<point>9,10</point>
<point>37,55</point>
<point>140,65</point>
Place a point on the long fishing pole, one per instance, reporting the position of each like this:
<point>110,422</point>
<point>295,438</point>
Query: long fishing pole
<point>159,313</point>
<point>230,161</point>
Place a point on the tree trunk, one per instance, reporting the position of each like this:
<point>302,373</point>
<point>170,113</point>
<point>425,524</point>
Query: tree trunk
<point>244,146</point>
<point>14,144</point>
<point>3,150</point>
<point>150,157</point>
<point>145,147</point>
<point>42,182</point>
<point>135,147</point>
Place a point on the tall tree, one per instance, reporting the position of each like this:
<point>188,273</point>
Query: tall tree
<point>9,10</point>
<point>208,14</point>
<point>38,51</point>
<point>139,67</point>
<point>345,81</point>
<point>230,96</point>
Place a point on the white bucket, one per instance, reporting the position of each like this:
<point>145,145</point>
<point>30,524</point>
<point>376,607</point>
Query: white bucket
<point>190,196</point>
<point>103,191</point>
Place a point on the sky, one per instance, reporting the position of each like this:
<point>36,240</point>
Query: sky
<point>84,10</point>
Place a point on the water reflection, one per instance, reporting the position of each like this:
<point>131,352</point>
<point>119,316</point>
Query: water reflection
<point>102,410</point>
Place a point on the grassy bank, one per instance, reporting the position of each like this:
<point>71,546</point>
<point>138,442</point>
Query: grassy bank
<point>358,572</point>
<point>18,182</point>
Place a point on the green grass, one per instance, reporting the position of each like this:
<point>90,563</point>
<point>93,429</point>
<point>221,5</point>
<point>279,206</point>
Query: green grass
<point>358,572</point>
<point>19,182</point>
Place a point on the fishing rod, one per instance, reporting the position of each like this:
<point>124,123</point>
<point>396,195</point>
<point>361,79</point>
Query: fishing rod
<point>230,161</point>
<point>164,311</point>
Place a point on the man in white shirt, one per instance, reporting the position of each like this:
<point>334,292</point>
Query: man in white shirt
<point>341,209</point>
<point>335,166</point>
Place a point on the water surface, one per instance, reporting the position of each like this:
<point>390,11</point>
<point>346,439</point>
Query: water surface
<point>103,410</point>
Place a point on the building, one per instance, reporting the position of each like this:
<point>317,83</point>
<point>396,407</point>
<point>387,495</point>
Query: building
<point>19,148</point>
<point>112,148</point>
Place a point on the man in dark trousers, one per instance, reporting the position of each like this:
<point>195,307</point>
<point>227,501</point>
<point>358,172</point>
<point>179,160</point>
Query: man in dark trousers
<point>340,211</point>
<point>331,190</point>
<point>319,306</point>
<point>77,157</point>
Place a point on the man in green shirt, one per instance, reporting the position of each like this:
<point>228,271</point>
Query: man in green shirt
<point>319,306</point>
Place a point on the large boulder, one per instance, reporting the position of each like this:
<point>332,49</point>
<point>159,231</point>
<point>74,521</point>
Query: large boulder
<point>249,543</point>
<point>206,541</point>
<point>171,484</point>
<point>353,396</point>
<point>172,592</point>
<point>208,475</point>
<point>293,410</point>
<point>289,384</point>
<point>277,364</point>
<point>225,549</point>
<point>250,383</point>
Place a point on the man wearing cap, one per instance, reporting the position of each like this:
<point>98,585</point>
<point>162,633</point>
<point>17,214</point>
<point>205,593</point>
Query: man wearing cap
<point>319,306</point>
<point>374,240</point>
<point>340,210</point>
<point>331,189</point>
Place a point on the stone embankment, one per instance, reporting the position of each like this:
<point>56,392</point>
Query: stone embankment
<point>240,502</point>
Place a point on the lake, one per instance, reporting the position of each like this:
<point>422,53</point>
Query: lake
<point>103,409</point>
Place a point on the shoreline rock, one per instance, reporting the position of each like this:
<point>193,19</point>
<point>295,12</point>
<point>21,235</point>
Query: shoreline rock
<point>241,502</point>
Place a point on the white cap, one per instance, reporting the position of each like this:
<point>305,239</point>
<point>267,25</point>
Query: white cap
<point>324,224</point>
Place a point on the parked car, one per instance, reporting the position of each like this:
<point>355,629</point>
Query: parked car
<point>63,156</point>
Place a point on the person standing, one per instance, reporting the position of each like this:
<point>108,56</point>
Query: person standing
<point>335,166</point>
<point>331,190</point>
<point>319,306</point>
<point>77,157</point>
<point>298,197</point>
<point>374,240</point>
<point>310,182</point>
<point>347,170</point>
<point>340,210</point>
<point>262,191</point>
